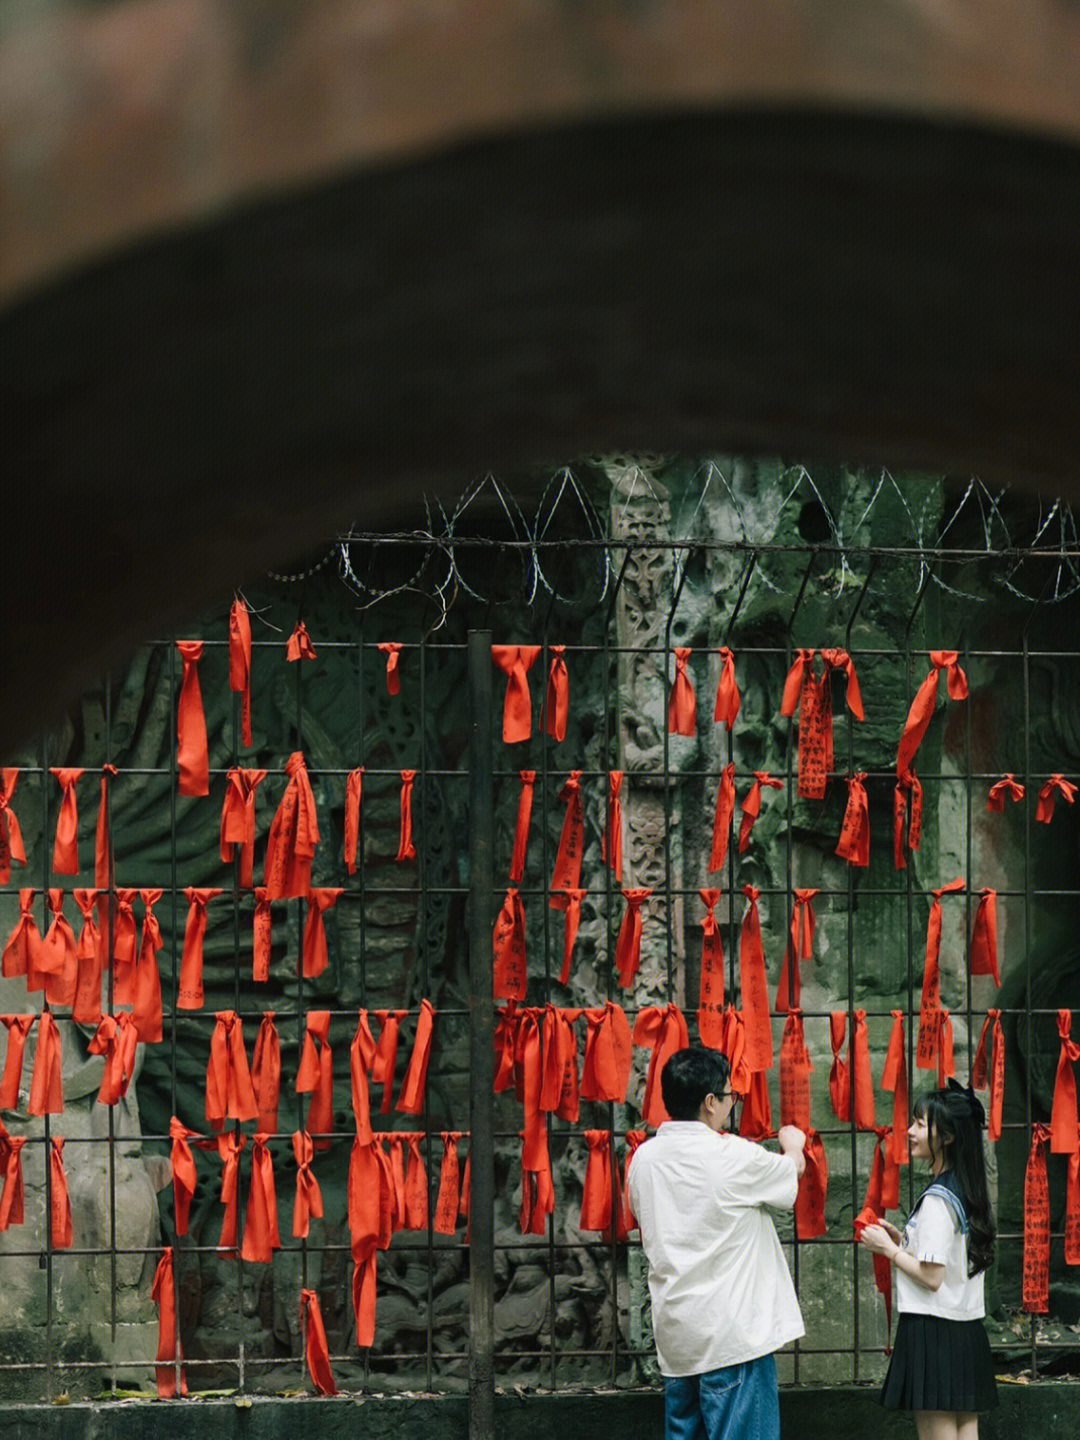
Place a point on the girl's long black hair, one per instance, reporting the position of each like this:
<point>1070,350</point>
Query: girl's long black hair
<point>954,1120</point>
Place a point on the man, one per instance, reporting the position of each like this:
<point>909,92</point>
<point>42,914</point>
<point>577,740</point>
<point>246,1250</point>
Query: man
<point>722,1297</point>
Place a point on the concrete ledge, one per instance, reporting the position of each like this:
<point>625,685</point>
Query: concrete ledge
<point>843,1413</point>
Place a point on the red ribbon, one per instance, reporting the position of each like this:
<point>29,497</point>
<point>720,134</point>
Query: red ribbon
<point>882,1267</point>
<point>146,1000</point>
<point>628,945</point>
<point>894,1077</point>
<point>294,834</point>
<point>365,1214</point>
<point>981,1073</point>
<point>508,947</point>
<point>163,1293</point>
<point>11,840</point>
<point>66,846</point>
<point>190,995</point>
<point>125,945</point>
<point>315,1077</point>
<point>86,1007</point>
<point>908,784</point>
<point>983,956</point>
<point>605,1072</point>
<point>840,1073</point>
<point>571,904</point>
<point>261,1234</point>
<point>354,794</point>
<point>240,665</point>
<point>854,843</point>
<point>117,1038</point>
<point>946,1064</point>
<point>58,962</point>
<point>597,1200</point>
<point>733,1045</point>
<point>725,810</point>
<point>1007,785</point>
<point>515,661</point>
<point>521,830</point>
<point>537,1196</point>
<point>299,646</point>
<point>315,958</point>
<point>411,1095</point>
<point>309,1199</point>
<point>559,1086</point>
<point>727,691</point>
<point>238,820</point>
<point>751,806</point>
<point>385,1062</point>
<point>567,872</point>
<point>756,1120</point>
<point>262,936</point>
<point>46,1085</point>
<point>1036,1284</point>
<point>922,707</point>
<point>813,697</point>
<point>1072,1210</point>
<point>813,1188</point>
<point>229,1092</point>
<point>406,848</point>
<point>862,1081</point>
<point>795,1068</point>
<point>318,1356</point>
<point>361,1059</point>
<point>710,1016</point>
<point>662,1029</point>
<point>752,984</point>
<point>416,1182</point>
<point>103,854</point>
<point>611,842</point>
<point>22,951</point>
<point>229,1147</point>
<point>266,1074</point>
<point>682,702</point>
<point>449,1197</point>
<point>392,650</point>
<point>800,947</point>
<point>18,1028</point>
<point>930,1006</point>
<point>1044,809</point>
<point>1063,1116</point>
<point>192,758</point>
<point>557,697</point>
<point>13,1197</point>
<point>60,1216</point>
<point>634,1139</point>
<point>184,1173</point>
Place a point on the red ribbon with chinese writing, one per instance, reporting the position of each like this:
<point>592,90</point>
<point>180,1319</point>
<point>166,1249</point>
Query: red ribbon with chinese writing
<point>1007,785</point>
<point>930,1006</point>
<point>725,810</point>
<point>752,983</point>
<point>13,1198</point>
<point>922,707</point>
<point>682,702</point>
<point>11,840</point>
<point>18,1028</point>
<point>392,650</point>
<point>46,1085</point>
<point>756,1120</point>
<point>710,1015</point>
<point>813,1188</point>
<point>58,961</point>
<point>266,1073</point>
<point>559,1088</point>
<point>449,1196</point>
<point>192,759</point>
<point>1044,809</point>
<point>1036,1284</point>
<point>751,806</point>
<point>1063,1115</point>
<point>908,784</point>
<point>314,957</point>
<point>385,1062</point>
<point>309,1199</point>
<point>508,946</point>
<point>240,665</point>
<point>406,848</point>
<point>315,1076</point>
<point>981,1073</point>
<point>299,646</point>
<point>800,947</point>
<point>294,834</point>
<point>611,843</point>
<point>60,1228</point>
<point>261,1234</point>
<point>117,1038</point>
<point>597,1200</point>
<point>605,1072</point>
<point>238,820</point>
<point>416,1183</point>
<point>662,1029</point>
<point>628,945</point>
<point>163,1292</point>
<point>795,1068</point>
<point>190,995</point>
<point>983,955</point>
<point>854,843</point>
<point>229,1092</point>
<point>571,904</point>
<point>66,845</point>
<point>813,698</point>
<point>727,691</point>
<point>556,710</point>
<point>515,661</point>
<point>411,1095</point>
<point>86,1007</point>
<point>184,1174</point>
<point>567,872</point>
<point>839,1074</point>
<point>318,1356</point>
<point>894,1077</point>
<point>946,1064</point>
<point>146,999</point>
<point>521,830</point>
<point>22,951</point>
<point>354,794</point>
<point>262,936</point>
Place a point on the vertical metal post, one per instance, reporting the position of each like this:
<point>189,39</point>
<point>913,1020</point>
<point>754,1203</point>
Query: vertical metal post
<point>481,1046</point>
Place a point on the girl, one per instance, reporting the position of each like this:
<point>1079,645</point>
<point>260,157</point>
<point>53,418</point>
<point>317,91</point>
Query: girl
<point>941,1366</point>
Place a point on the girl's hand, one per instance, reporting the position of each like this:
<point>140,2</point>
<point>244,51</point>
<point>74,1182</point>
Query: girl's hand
<point>892,1232</point>
<point>877,1240</point>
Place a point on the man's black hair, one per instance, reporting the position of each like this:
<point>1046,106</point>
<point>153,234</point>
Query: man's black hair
<point>689,1076</point>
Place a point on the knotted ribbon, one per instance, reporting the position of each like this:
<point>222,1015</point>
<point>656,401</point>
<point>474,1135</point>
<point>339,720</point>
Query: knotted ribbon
<point>515,661</point>
<point>315,957</point>
<point>416,1182</point>
<point>800,947</point>
<point>117,1038</point>
<point>840,1073</point>
<point>682,702</point>
<point>567,872</point>
<point>229,1147</point>
<point>907,785</point>
<point>294,834</point>
<point>813,698</point>
<point>361,1059</point>
<point>125,945</point>
<point>318,1355</point>
<point>894,1078</point>
<point>315,1077</point>
<point>406,848</point>
<point>733,1045</point>
<point>862,1081</point>
<point>1007,785</point>
<point>559,1085</point>
<point>11,840</point>
<point>238,820</point>
<point>813,1188</point>
<point>752,984</point>
<point>261,1234</point>
<point>22,951</point>
<point>354,795</point>
<point>727,691</point>
<point>58,962</point>
<point>1063,1115</point>
<point>18,1028</point>
<point>710,1016</point>
<point>521,829</point>
<point>571,905</point>
<point>922,707</point>
<point>229,1092</point>
<point>384,1064</point>
<point>411,1095</point>
<point>190,995</point>
<point>628,945</point>
<point>755,1123</point>
<point>449,1196</point>
<point>163,1292</point>
<point>240,665</point>
<point>611,842</point>
<point>557,696</point>
<point>854,843</point>
<point>299,646</point>
<point>146,1000</point>
<point>192,758</point>
<point>13,1198</point>
<point>508,947</point>
<point>66,845</point>
<point>751,805</point>
<point>262,936</point>
<point>795,1068</point>
<point>930,1006</point>
<point>725,810</point>
<point>598,1200</point>
<point>946,1064</point>
<point>983,955</point>
<point>1036,1284</point>
<point>1044,809</point>
<point>184,1173</point>
<point>46,1084</point>
<point>628,1220</point>
<point>86,1007</point>
<point>369,1210</point>
<point>605,1072</point>
<point>994,1073</point>
<point>309,1199</point>
<point>266,1074</point>
<point>392,650</point>
<point>662,1029</point>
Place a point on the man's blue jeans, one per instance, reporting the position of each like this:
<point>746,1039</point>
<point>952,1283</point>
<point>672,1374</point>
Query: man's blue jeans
<point>739,1402</point>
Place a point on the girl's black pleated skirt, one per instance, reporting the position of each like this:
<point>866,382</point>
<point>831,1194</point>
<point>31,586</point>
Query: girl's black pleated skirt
<point>940,1365</point>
